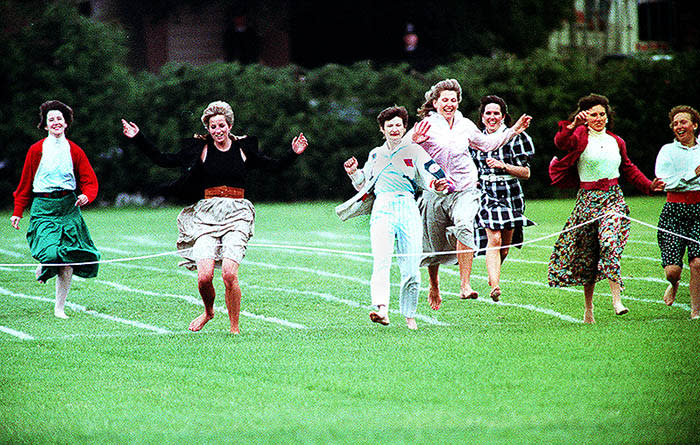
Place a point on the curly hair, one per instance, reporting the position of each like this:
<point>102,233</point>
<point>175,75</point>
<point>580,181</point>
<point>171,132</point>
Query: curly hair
<point>694,115</point>
<point>50,105</point>
<point>590,101</point>
<point>217,108</point>
<point>434,93</point>
<point>389,113</point>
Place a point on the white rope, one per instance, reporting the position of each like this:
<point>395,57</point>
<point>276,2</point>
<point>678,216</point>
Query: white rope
<point>362,254</point>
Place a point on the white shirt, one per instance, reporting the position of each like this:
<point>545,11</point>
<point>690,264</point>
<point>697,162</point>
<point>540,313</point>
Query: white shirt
<point>601,159</point>
<point>55,171</point>
<point>676,164</point>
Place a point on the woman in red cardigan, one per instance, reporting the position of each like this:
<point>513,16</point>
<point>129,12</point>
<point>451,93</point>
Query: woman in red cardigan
<point>594,161</point>
<point>57,180</point>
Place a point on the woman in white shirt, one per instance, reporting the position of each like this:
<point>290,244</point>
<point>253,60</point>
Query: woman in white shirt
<point>594,161</point>
<point>678,165</point>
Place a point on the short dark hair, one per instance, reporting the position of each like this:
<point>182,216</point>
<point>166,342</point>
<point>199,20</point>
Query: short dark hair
<point>54,105</point>
<point>590,101</point>
<point>389,113</point>
<point>493,99</point>
<point>694,115</point>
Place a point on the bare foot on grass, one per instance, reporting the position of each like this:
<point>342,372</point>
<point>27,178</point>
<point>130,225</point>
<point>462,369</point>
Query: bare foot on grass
<point>434,298</point>
<point>468,294</point>
<point>670,294</point>
<point>588,317</point>
<point>411,323</point>
<point>199,322</point>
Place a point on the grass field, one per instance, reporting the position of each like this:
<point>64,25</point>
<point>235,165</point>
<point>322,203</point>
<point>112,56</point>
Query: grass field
<point>310,367</point>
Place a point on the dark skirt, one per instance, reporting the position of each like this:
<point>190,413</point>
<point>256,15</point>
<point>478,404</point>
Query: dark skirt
<point>682,219</point>
<point>592,252</point>
<point>58,234</point>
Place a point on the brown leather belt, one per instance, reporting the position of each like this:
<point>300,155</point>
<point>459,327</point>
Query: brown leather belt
<point>224,191</point>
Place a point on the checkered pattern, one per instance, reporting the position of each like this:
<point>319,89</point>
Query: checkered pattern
<point>502,202</point>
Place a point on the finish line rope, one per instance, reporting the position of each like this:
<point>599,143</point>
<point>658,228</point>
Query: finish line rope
<point>364,254</point>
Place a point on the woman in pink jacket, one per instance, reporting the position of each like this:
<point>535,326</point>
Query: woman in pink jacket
<point>595,160</point>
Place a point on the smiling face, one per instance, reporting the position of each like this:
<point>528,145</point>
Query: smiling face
<point>492,117</point>
<point>219,129</point>
<point>55,123</point>
<point>597,118</point>
<point>393,130</point>
<point>684,128</point>
<point>446,104</point>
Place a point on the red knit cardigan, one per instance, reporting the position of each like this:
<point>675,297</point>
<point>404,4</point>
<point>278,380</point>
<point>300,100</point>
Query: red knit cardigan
<point>84,175</point>
<point>563,171</point>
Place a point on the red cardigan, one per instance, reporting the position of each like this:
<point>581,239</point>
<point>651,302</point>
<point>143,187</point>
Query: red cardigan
<point>84,175</point>
<point>563,171</point>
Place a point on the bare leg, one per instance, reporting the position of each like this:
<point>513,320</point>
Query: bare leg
<point>63,282</point>
<point>205,281</point>
<point>673,275</point>
<point>616,291</point>
<point>694,288</point>
<point>465,258</point>
<point>411,323</point>
<point>233,292</point>
<point>434,298</point>
<point>493,262</point>
<point>588,303</point>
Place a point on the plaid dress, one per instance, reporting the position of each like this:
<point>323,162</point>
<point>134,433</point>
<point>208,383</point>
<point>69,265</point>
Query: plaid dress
<point>502,202</point>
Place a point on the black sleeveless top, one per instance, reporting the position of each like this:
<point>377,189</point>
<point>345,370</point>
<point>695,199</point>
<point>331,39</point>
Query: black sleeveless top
<point>223,167</point>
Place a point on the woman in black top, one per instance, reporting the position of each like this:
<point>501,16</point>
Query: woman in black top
<point>216,229</point>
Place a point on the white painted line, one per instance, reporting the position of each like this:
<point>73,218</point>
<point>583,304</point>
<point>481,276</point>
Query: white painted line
<point>11,253</point>
<point>80,308</point>
<point>199,302</point>
<point>18,334</point>
<point>334,299</point>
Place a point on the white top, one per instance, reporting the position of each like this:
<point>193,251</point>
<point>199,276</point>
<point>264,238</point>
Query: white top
<point>55,171</point>
<point>676,164</point>
<point>403,169</point>
<point>601,159</point>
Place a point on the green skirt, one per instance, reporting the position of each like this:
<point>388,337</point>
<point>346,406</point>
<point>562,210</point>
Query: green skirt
<point>58,234</point>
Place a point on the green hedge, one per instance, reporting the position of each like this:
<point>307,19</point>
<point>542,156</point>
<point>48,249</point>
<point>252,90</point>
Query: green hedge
<point>335,106</point>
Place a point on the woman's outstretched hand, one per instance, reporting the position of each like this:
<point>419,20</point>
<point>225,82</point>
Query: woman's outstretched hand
<point>130,129</point>
<point>420,132</point>
<point>299,144</point>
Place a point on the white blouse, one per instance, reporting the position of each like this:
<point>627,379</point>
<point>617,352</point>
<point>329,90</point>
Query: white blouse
<point>601,159</point>
<point>55,171</point>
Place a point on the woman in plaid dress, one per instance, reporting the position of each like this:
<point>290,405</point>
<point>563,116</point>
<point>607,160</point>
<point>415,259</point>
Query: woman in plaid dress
<point>595,160</point>
<point>500,219</point>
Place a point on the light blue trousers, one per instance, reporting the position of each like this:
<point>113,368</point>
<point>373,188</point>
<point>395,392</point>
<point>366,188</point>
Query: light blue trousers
<point>396,221</point>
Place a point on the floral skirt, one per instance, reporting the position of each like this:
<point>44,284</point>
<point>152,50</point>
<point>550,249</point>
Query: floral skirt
<point>592,252</point>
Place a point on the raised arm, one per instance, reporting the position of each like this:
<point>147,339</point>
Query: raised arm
<point>131,131</point>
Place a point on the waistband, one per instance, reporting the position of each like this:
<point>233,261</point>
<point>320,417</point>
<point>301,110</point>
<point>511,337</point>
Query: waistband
<point>53,195</point>
<point>601,184</point>
<point>224,191</point>
<point>495,178</point>
<point>690,197</point>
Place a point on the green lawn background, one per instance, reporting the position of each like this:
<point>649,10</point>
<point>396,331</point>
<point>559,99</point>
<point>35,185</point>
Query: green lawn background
<point>526,370</point>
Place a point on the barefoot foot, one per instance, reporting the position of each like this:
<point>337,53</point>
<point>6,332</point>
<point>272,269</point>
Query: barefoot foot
<point>670,294</point>
<point>620,309</point>
<point>495,293</point>
<point>376,317</point>
<point>588,317</point>
<point>695,315</point>
<point>411,323</point>
<point>468,294</point>
<point>199,322</point>
<point>434,298</point>
<point>60,314</point>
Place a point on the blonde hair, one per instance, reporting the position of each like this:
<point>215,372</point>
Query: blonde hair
<point>217,108</point>
<point>434,93</point>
